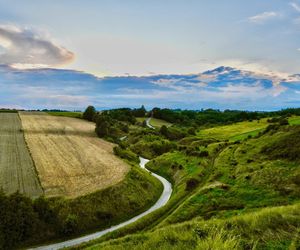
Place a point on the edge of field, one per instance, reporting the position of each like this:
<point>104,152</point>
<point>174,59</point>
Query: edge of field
<point>29,152</point>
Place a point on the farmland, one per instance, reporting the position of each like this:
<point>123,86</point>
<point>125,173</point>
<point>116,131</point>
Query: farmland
<point>69,158</point>
<point>17,172</point>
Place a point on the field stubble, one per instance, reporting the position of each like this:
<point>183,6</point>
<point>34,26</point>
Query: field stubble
<point>70,159</point>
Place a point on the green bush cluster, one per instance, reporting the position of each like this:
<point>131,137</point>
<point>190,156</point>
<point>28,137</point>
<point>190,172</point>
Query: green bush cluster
<point>24,221</point>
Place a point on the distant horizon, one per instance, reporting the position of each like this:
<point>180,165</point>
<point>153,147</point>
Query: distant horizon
<point>147,110</point>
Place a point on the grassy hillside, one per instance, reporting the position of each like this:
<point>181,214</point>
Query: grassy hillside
<point>269,228</point>
<point>27,222</point>
<point>294,120</point>
<point>236,131</point>
<point>223,180</point>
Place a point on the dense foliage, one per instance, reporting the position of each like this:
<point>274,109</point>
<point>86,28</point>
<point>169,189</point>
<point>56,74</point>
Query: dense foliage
<point>211,116</point>
<point>25,221</point>
<point>89,113</point>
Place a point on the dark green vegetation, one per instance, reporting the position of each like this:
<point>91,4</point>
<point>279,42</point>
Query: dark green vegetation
<point>223,176</point>
<point>8,111</point>
<point>89,113</point>
<point>210,116</point>
<point>25,221</point>
<point>66,113</point>
<point>269,228</point>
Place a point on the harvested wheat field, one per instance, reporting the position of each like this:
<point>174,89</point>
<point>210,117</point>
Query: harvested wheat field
<point>70,159</point>
<point>17,172</point>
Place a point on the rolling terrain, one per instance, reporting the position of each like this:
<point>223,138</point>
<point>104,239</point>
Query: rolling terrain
<point>233,132</point>
<point>70,159</point>
<point>235,180</point>
<point>87,188</point>
<point>17,171</point>
<point>235,186</point>
<point>269,228</point>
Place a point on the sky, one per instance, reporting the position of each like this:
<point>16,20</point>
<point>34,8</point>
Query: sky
<point>110,38</point>
<point>139,37</point>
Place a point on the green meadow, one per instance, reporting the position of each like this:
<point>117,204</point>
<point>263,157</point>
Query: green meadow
<point>235,186</point>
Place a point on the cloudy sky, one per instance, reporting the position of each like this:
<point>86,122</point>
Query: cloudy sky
<point>143,38</point>
<point>117,37</point>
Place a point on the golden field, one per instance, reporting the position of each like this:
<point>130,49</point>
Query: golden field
<point>70,159</point>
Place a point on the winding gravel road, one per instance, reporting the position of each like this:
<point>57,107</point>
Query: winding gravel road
<point>148,123</point>
<point>164,198</point>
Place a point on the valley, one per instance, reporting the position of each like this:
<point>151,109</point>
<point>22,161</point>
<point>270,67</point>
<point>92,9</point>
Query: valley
<point>230,171</point>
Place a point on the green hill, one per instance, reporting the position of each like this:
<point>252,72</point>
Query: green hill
<point>228,194</point>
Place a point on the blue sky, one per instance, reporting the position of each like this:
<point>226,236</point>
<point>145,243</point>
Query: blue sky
<point>143,37</point>
<point>146,38</point>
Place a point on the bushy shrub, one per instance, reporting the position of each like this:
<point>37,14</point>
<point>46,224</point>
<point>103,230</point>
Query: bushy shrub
<point>191,184</point>
<point>125,154</point>
<point>89,113</point>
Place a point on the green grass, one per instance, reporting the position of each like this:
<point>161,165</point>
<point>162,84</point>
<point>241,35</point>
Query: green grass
<point>245,135</point>
<point>252,179</point>
<point>294,120</point>
<point>270,228</point>
<point>236,181</point>
<point>66,114</point>
<point>235,131</point>
<point>157,123</point>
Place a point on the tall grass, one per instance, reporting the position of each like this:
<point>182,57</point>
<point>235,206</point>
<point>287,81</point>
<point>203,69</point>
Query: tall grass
<point>270,228</point>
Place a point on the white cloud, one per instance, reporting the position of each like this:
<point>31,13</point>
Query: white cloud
<point>295,6</point>
<point>26,48</point>
<point>166,82</point>
<point>263,17</point>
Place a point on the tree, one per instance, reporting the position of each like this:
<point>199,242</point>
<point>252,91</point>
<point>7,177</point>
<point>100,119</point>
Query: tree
<point>164,130</point>
<point>140,112</point>
<point>89,113</point>
<point>102,129</point>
